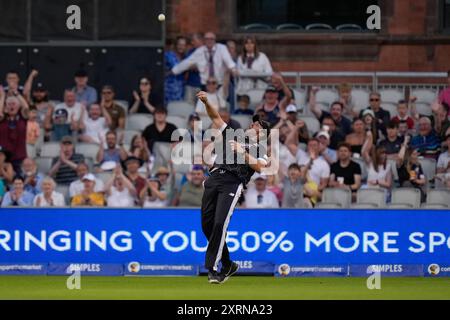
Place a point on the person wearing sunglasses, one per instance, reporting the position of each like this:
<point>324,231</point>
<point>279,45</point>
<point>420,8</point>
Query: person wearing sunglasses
<point>217,96</point>
<point>143,98</point>
<point>115,111</point>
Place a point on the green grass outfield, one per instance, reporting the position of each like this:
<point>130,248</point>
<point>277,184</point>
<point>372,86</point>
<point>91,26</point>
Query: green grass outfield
<point>237,288</point>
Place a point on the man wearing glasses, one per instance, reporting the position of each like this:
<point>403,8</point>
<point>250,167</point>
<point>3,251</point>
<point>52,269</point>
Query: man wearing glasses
<point>212,60</point>
<point>116,112</point>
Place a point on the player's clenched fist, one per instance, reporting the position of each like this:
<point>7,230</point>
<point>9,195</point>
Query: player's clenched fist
<point>202,95</point>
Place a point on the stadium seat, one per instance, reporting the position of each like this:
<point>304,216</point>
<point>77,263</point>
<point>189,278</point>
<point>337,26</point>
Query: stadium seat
<point>44,164</point>
<point>364,206</point>
<point>429,168</point>
<point>439,197</point>
<point>360,98</point>
<point>256,26</point>
<point>348,27</point>
<point>256,97</point>
<point>64,190</point>
<point>318,26</point>
<point>300,97</point>
<point>179,122</point>
<point>371,196</point>
<point>289,26</point>
<point>434,206</point>
<point>312,123</point>
<point>406,196</point>
<point>243,120</point>
<point>128,136</point>
<point>424,95</point>
<point>392,95</point>
<point>88,149</point>
<point>336,195</point>
<point>362,164</point>
<point>31,151</point>
<point>124,104</point>
<point>139,121</point>
<point>400,206</point>
<point>324,205</point>
<point>180,108</point>
<point>391,107</point>
<point>50,149</point>
<point>423,109</point>
<point>90,163</point>
<point>326,96</point>
<point>162,152</point>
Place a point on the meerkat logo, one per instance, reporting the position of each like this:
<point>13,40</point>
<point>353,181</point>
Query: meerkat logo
<point>284,269</point>
<point>134,267</point>
<point>434,269</point>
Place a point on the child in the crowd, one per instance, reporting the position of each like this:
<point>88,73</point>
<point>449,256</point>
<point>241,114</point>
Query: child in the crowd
<point>403,110</point>
<point>243,105</point>
<point>33,128</point>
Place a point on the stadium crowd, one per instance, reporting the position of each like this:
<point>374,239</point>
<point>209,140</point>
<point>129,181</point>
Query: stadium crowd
<point>322,148</point>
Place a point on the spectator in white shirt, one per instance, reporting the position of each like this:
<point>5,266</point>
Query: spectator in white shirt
<point>119,190</point>
<point>252,62</point>
<point>95,125</point>
<point>443,163</point>
<point>258,196</point>
<point>77,186</point>
<point>212,60</point>
<point>217,97</point>
<point>75,110</point>
<point>49,197</point>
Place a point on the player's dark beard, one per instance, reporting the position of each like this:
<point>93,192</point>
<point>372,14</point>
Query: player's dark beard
<point>39,99</point>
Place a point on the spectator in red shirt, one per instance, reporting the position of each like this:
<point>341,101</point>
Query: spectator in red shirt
<point>13,127</point>
<point>402,109</point>
<point>444,96</point>
<point>132,165</point>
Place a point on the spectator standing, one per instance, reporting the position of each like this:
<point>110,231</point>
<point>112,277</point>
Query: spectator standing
<point>13,127</point>
<point>258,196</point>
<point>403,110</point>
<point>18,196</point>
<point>13,86</point>
<point>215,95</point>
<point>85,94</point>
<point>174,84</point>
<point>88,196</point>
<point>252,62</point>
<point>63,168</point>
<point>193,82</point>
<point>212,60</point>
<point>160,130</point>
<point>49,197</point>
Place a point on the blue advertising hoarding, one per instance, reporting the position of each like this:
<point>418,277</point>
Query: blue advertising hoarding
<point>174,237</point>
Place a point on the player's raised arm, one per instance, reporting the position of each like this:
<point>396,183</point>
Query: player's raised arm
<point>212,112</point>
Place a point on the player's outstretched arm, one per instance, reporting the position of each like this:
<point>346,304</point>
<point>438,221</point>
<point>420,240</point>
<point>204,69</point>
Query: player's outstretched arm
<point>213,114</point>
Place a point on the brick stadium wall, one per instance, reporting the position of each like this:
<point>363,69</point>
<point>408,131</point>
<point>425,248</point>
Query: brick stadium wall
<point>410,39</point>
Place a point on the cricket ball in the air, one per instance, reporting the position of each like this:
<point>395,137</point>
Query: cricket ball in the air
<point>161,17</point>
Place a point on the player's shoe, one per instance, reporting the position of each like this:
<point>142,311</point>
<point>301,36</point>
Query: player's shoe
<point>215,278</point>
<point>234,267</point>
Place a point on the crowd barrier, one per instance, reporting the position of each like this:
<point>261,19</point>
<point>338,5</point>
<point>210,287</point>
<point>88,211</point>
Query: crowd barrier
<point>282,242</point>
